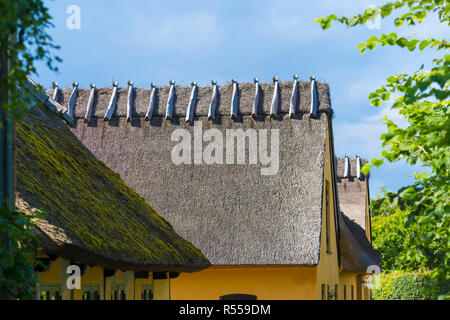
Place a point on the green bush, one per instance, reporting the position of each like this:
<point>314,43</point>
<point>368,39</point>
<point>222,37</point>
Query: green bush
<point>18,248</point>
<point>408,286</point>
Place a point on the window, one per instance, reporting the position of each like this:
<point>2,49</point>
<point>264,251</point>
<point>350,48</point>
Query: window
<point>239,296</point>
<point>336,291</point>
<point>50,291</point>
<point>91,292</point>
<point>345,292</point>
<point>353,297</point>
<point>118,291</point>
<point>323,292</point>
<point>327,214</point>
<point>328,293</point>
<point>146,292</point>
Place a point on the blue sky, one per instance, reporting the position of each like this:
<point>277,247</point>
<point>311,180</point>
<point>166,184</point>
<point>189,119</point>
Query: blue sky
<point>154,41</point>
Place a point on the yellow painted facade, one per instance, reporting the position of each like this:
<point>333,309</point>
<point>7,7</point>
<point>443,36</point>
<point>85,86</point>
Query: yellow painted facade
<point>348,286</point>
<point>265,282</point>
<point>328,268</point>
<point>162,289</point>
<point>52,285</point>
<point>280,282</point>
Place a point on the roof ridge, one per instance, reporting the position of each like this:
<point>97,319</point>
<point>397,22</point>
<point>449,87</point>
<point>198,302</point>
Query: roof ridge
<point>231,99</point>
<point>48,101</point>
<point>350,167</point>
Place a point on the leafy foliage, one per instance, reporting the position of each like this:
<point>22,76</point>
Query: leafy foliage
<point>402,285</point>
<point>23,42</point>
<point>417,12</point>
<point>392,238</point>
<point>18,248</point>
<point>423,102</point>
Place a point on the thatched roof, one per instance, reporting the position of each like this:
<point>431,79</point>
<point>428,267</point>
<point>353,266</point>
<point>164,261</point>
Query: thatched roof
<point>90,214</point>
<point>45,100</point>
<point>232,213</point>
<point>353,192</point>
<point>357,254</point>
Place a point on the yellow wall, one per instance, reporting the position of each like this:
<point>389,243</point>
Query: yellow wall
<point>162,289</point>
<point>93,275</point>
<point>269,282</point>
<point>349,280</point>
<point>328,268</point>
<point>53,274</point>
<point>266,282</point>
<point>56,274</point>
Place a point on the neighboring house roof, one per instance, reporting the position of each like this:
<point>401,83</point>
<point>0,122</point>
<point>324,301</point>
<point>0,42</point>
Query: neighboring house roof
<point>90,215</point>
<point>357,254</point>
<point>232,213</point>
<point>353,191</point>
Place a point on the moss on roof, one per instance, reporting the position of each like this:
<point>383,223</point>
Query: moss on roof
<point>97,211</point>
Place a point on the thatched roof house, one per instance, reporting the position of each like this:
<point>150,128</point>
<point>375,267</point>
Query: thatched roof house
<point>353,190</point>
<point>90,215</point>
<point>236,215</point>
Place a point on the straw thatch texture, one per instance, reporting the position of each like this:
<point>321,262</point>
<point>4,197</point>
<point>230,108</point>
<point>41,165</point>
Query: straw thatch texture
<point>353,192</point>
<point>90,215</point>
<point>246,93</point>
<point>232,213</point>
<point>357,254</point>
